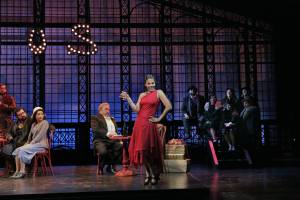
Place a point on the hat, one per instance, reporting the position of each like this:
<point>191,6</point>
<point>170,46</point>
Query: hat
<point>247,99</point>
<point>193,88</point>
<point>35,110</point>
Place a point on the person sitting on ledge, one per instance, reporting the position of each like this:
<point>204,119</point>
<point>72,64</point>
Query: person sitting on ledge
<point>192,108</point>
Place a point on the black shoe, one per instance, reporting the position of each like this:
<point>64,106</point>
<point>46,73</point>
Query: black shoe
<point>114,169</point>
<point>109,169</point>
<point>147,180</point>
<point>100,170</point>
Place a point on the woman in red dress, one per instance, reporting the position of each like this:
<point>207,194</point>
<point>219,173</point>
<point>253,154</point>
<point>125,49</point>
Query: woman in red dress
<point>145,146</point>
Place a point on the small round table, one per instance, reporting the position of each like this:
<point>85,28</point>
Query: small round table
<point>126,171</point>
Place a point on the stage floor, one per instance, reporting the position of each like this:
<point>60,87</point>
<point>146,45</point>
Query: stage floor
<point>251,183</point>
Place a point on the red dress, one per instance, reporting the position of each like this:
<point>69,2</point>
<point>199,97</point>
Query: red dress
<point>145,142</point>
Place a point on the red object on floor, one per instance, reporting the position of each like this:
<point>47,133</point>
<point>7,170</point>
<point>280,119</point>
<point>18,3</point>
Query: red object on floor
<point>125,172</point>
<point>125,160</point>
<point>213,152</point>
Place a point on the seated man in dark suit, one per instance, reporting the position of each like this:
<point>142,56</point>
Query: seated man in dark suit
<point>16,136</point>
<point>104,127</point>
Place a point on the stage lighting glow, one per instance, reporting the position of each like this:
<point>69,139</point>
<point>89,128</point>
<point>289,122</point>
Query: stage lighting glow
<point>36,41</point>
<point>80,31</point>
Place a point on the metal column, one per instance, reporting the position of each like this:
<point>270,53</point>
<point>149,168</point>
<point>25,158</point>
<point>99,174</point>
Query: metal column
<point>39,59</point>
<point>125,58</point>
<point>83,140</point>
<point>166,60</point>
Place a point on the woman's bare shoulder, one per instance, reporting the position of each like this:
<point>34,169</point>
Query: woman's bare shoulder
<point>142,94</point>
<point>160,92</point>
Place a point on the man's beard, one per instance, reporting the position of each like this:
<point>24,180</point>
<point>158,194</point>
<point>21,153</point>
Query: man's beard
<point>23,119</point>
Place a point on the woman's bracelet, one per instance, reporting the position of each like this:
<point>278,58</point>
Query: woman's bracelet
<point>130,101</point>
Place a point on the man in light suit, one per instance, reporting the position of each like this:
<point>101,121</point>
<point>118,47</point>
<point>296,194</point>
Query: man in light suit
<point>104,127</point>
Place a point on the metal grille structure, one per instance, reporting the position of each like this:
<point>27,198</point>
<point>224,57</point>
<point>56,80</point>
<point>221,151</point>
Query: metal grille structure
<point>182,43</point>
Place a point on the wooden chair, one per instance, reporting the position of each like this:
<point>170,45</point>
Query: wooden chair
<point>162,133</point>
<point>99,169</point>
<point>3,141</point>
<point>44,157</point>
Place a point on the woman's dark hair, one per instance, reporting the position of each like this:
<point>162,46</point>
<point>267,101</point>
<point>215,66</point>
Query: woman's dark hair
<point>149,76</point>
<point>232,91</point>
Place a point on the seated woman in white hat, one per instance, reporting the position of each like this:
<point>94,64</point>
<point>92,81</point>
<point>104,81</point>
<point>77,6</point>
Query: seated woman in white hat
<point>37,142</point>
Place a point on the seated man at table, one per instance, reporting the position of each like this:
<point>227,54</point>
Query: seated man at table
<point>104,127</point>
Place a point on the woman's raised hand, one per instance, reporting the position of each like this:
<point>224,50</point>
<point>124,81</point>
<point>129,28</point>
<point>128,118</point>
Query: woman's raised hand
<point>124,95</point>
